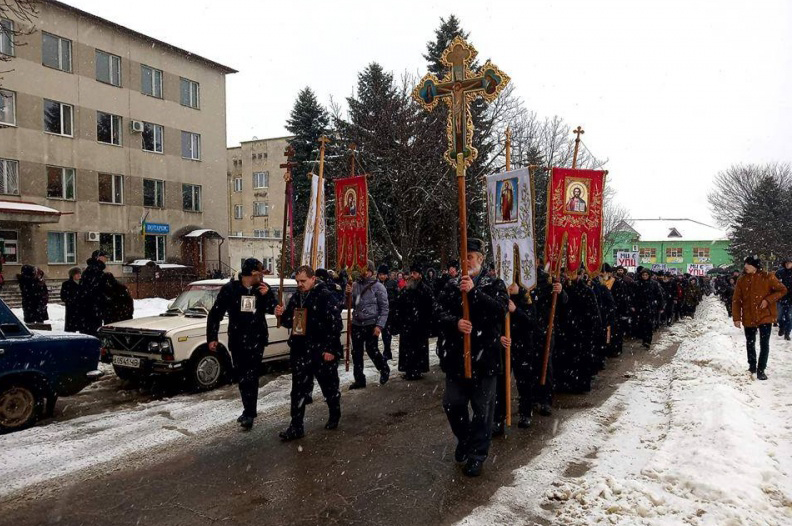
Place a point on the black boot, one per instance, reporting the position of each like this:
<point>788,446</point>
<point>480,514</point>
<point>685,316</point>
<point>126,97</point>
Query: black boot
<point>545,410</point>
<point>291,433</point>
<point>246,422</point>
<point>335,417</point>
<point>473,467</point>
<point>524,422</point>
<point>760,375</point>
<point>498,429</point>
<point>357,385</point>
<point>384,375</point>
<point>460,455</point>
<point>786,337</point>
<point>752,369</point>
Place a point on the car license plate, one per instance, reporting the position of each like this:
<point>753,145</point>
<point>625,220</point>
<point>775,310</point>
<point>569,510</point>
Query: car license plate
<point>126,361</point>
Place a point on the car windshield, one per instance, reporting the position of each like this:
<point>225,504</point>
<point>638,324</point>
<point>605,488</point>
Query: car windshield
<point>196,297</point>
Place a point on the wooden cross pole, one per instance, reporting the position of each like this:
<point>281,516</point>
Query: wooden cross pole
<point>352,148</point>
<point>288,165</point>
<point>457,89</point>
<point>323,140</point>
<point>554,302</point>
<point>507,321</point>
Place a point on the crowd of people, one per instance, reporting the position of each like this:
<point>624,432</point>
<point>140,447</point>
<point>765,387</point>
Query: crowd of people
<point>92,296</point>
<point>593,319</point>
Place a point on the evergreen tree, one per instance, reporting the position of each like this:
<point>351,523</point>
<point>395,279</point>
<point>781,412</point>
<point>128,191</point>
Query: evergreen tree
<point>760,226</point>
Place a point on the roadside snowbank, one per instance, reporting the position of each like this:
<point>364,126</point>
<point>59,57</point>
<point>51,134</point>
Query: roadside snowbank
<point>697,441</point>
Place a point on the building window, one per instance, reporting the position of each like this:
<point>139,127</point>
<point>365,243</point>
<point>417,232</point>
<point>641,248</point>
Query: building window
<point>60,183</point>
<point>238,212</point>
<point>260,209</point>
<point>154,248</point>
<point>237,184</point>
<point>61,247</point>
<point>616,252</point>
<point>261,180</point>
<point>260,233</point>
<point>108,68</point>
<point>191,197</point>
<point>108,128</point>
<point>673,253</point>
<point>277,232</point>
<point>58,117</point>
<point>8,245</point>
<point>191,146</point>
<point>647,253</point>
<point>6,37</point>
<point>151,81</point>
<point>56,52</point>
<point>701,252</point>
<point>9,177</point>
<point>111,189</point>
<point>239,234</point>
<point>267,263</point>
<point>112,244</point>
<point>152,137</point>
<point>7,107</point>
<point>153,193</point>
<point>190,93</point>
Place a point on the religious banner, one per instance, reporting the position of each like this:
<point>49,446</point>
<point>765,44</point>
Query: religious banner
<point>574,220</point>
<point>698,270</point>
<point>310,224</point>
<point>628,260</point>
<point>511,219</point>
<point>352,222</point>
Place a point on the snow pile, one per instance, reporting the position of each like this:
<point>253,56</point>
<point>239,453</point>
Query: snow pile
<point>697,441</point>
<point>143,308</point>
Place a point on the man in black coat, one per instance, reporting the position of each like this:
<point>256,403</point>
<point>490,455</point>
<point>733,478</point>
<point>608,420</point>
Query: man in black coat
<point>35,294</point>
<point>621,288</point>
<point>648,303</point>
<point>784,275</point>
<point>93,285</point>
<point>392,288</point>
<point>70,296</point>
<point>315,342</point>
<point>247,301</point>
<point>413,324</point>
<point>579,334</point>
<point>607,308</point>
<point>488,305</point>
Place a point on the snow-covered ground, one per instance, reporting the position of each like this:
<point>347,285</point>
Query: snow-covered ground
<point>696,441</point>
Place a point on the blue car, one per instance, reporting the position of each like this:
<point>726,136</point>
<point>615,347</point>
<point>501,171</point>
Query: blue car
<point>35,369</point>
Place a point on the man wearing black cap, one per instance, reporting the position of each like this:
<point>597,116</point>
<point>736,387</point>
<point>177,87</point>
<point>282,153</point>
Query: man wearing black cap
<point>370,304</point>
<point>648,304</point>
<point>413,324</point>
<point>488,305</point>
<point>754,308</point>
<point>315,344</point>
<point>93,284</point>
<point>392,288</point>
<point>247,301</point>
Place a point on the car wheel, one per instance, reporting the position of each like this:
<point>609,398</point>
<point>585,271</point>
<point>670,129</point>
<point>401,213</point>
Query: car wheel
<point>126,374</point>
<point>20,407</point>
<point>207,370</point>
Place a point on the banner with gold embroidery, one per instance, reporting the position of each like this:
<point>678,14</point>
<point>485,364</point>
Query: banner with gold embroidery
<point>311,224</point>
<point>352,222</point>
<point>574,220</point>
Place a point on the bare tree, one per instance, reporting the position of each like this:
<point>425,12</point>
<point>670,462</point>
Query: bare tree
<point>735,186</point>
<point>612,215</point>
<point>21,14</point>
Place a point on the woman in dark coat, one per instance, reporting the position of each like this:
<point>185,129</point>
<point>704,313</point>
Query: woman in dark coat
<point>413,324</point>
<point>35,295</point>
<point>70,296</point>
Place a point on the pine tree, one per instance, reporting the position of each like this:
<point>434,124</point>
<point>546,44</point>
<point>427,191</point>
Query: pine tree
<point>758,228</point>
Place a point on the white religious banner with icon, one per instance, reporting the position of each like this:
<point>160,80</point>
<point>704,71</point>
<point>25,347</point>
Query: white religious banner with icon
<point>310,224</point>
<point>698,270</point>
<point>510,203</point>
<point>628,260</point>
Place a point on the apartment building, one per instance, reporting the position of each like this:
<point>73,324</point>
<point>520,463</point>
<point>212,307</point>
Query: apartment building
<point>256,198</point>
<point>109,139</point>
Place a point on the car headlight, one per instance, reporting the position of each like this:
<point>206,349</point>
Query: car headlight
<point>165,346</point>
<point>154,346</point>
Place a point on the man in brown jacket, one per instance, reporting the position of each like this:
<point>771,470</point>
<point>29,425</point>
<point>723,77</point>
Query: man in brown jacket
<point>754,307</point>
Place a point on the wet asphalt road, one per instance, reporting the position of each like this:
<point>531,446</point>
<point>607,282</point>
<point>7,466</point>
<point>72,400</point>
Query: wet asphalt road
<point>390,462</point>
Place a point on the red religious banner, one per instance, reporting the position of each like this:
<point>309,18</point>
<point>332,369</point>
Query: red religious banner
<point>352,222</point>
<point>574,219</point>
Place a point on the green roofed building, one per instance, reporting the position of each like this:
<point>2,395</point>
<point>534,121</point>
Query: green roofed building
<point>670,243</point>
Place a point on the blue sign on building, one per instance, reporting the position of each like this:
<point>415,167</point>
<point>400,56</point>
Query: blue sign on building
<point>157,228</point>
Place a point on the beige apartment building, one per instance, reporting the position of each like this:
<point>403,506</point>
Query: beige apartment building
<point>256,198</point>
<point>109,138</point>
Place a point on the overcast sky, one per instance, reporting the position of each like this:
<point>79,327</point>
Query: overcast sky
<point>670,91</point>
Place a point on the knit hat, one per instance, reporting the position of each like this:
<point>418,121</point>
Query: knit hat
<point>754,261</point>
<point>370,266</point>
<point>383,269</point>
<point>249,266</point>
<point>475,245</point>
<point>416,267</point>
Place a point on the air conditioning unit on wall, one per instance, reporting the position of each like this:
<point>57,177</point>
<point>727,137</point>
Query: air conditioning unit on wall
<point>92,237</point>
<point>635,248</point>
<point>136,126</point>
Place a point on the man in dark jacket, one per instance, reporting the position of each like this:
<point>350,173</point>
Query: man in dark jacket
<point>648,302</point>
<point>413,323</point>
<point>392,289</point>
<point>93,285</point>
<point>488,305</point>
<point>247,301</point>
<point>315,342</point>
<point>621,287</point>
<point>607,308</point>
<point>370,304</point>
<point>35,294</point>
<point>784,275</point>
<point>70,296</point>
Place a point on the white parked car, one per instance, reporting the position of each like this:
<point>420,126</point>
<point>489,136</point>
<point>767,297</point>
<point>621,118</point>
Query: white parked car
<point>175,341</point>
